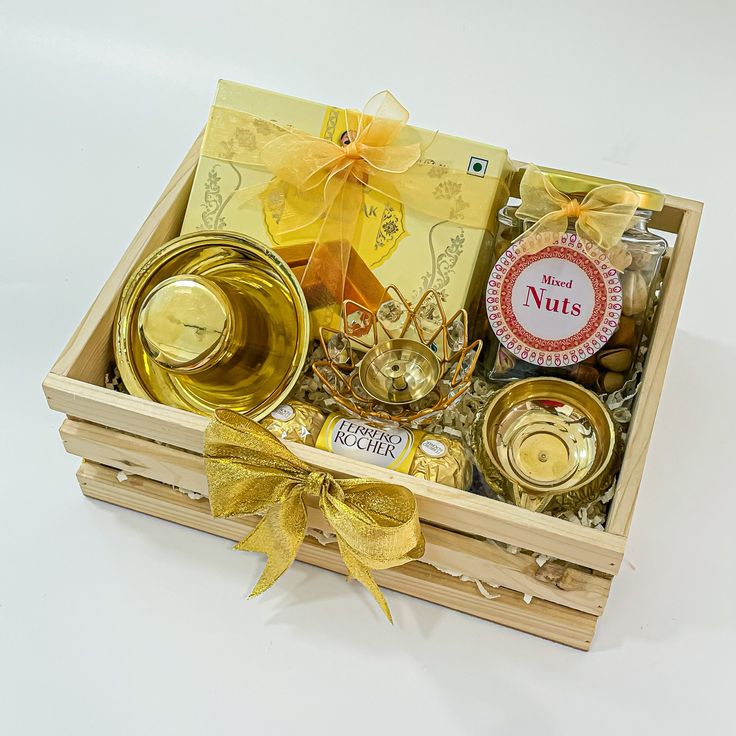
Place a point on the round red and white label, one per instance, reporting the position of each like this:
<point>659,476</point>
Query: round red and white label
<point>555,307</point>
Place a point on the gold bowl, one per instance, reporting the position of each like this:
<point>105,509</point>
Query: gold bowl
<point>212,319</point>
<point>547,444</point>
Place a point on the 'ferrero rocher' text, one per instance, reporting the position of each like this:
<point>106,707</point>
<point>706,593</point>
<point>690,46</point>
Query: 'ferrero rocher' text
<point>368,439</point>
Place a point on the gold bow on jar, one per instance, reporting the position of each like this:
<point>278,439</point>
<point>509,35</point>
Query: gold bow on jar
<point>250,472</point>
<point>601,217</point>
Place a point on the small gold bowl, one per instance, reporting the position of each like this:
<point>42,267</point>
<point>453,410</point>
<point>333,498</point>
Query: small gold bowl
<point>399,371</point>
<point>547,444</point>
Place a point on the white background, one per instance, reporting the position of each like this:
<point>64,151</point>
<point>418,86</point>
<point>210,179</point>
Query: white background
<point>114,623</point>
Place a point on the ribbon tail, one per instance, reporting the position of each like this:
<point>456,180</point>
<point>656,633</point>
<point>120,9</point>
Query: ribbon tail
<point>359,570</point>
<point>325,275</point>
<point>278,535</point>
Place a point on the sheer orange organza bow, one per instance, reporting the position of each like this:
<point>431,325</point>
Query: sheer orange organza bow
<point>327,179</point>
<point>316,180</point>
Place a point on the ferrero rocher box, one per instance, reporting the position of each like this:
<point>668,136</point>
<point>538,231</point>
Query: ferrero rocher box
<point>393,243</point>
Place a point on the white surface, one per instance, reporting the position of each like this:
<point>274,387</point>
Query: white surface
<point>115,623</point>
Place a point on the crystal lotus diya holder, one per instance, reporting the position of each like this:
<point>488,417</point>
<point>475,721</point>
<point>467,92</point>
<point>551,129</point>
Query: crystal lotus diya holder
<point>547,444</point>
<point>397,362</point>
<point>212,319</point>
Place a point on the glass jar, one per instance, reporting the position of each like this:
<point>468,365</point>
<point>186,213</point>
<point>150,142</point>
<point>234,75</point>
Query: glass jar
<point>606,368</point>
<point>509,228</point>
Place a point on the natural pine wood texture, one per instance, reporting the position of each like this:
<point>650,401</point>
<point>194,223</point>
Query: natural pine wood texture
<point>446,550</point>
<point>438,504</point>
<point>74,387</point>
<point>658,355</point>
<point>538,617</point>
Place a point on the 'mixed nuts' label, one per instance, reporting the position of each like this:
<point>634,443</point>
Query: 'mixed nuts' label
<point>557,306</point>
<point>387,446</point>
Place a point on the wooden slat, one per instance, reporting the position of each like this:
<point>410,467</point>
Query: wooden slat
<point>658,355</point>
<point>438,504</point>
<point>669,220</point>
<point>446,550</point>
<point>538,617</point>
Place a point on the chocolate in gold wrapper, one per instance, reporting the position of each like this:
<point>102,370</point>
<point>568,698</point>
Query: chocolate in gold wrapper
<point>442,460</point>
<point>412,451</point>
<point>433,457</point>
<point>295,421</point>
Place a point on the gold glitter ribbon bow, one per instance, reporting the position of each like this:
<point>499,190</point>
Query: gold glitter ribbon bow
<point>316,180</point>
<point>250,472</point>
<point>601,217</point>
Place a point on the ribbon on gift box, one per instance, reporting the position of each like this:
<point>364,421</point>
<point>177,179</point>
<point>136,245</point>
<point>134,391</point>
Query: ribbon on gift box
<point>250,472</point>
<point>601,217</point>
<point>316,180</point>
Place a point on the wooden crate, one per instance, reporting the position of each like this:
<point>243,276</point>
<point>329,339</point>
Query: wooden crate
<point>159,447</point>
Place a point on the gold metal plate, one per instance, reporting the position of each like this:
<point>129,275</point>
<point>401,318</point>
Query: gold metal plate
<point>212,319</point>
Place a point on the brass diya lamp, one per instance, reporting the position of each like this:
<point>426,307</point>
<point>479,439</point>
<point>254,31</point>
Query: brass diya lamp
<point>212,319</point>
<point>399,361</point>
<point>399,371</point>
<point>547,444</point>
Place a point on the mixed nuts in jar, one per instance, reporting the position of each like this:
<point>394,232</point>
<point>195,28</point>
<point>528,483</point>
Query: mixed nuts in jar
<point>576,272</point>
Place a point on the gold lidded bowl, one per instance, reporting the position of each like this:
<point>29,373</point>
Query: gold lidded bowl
<point>212,319</point>
<point>547,444</point>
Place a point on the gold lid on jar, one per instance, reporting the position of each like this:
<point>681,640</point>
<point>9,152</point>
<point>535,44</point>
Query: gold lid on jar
<point>571,184</point>
<point>212,319</point>
<point>547,444</point>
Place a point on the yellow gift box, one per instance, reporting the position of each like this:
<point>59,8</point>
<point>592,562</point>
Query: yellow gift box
<point>437,237</point>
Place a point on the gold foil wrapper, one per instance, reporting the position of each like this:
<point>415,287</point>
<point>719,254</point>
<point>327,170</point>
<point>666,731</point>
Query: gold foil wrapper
<point>434,457</point>
<point>295,421</point>
<point>443,460</point>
